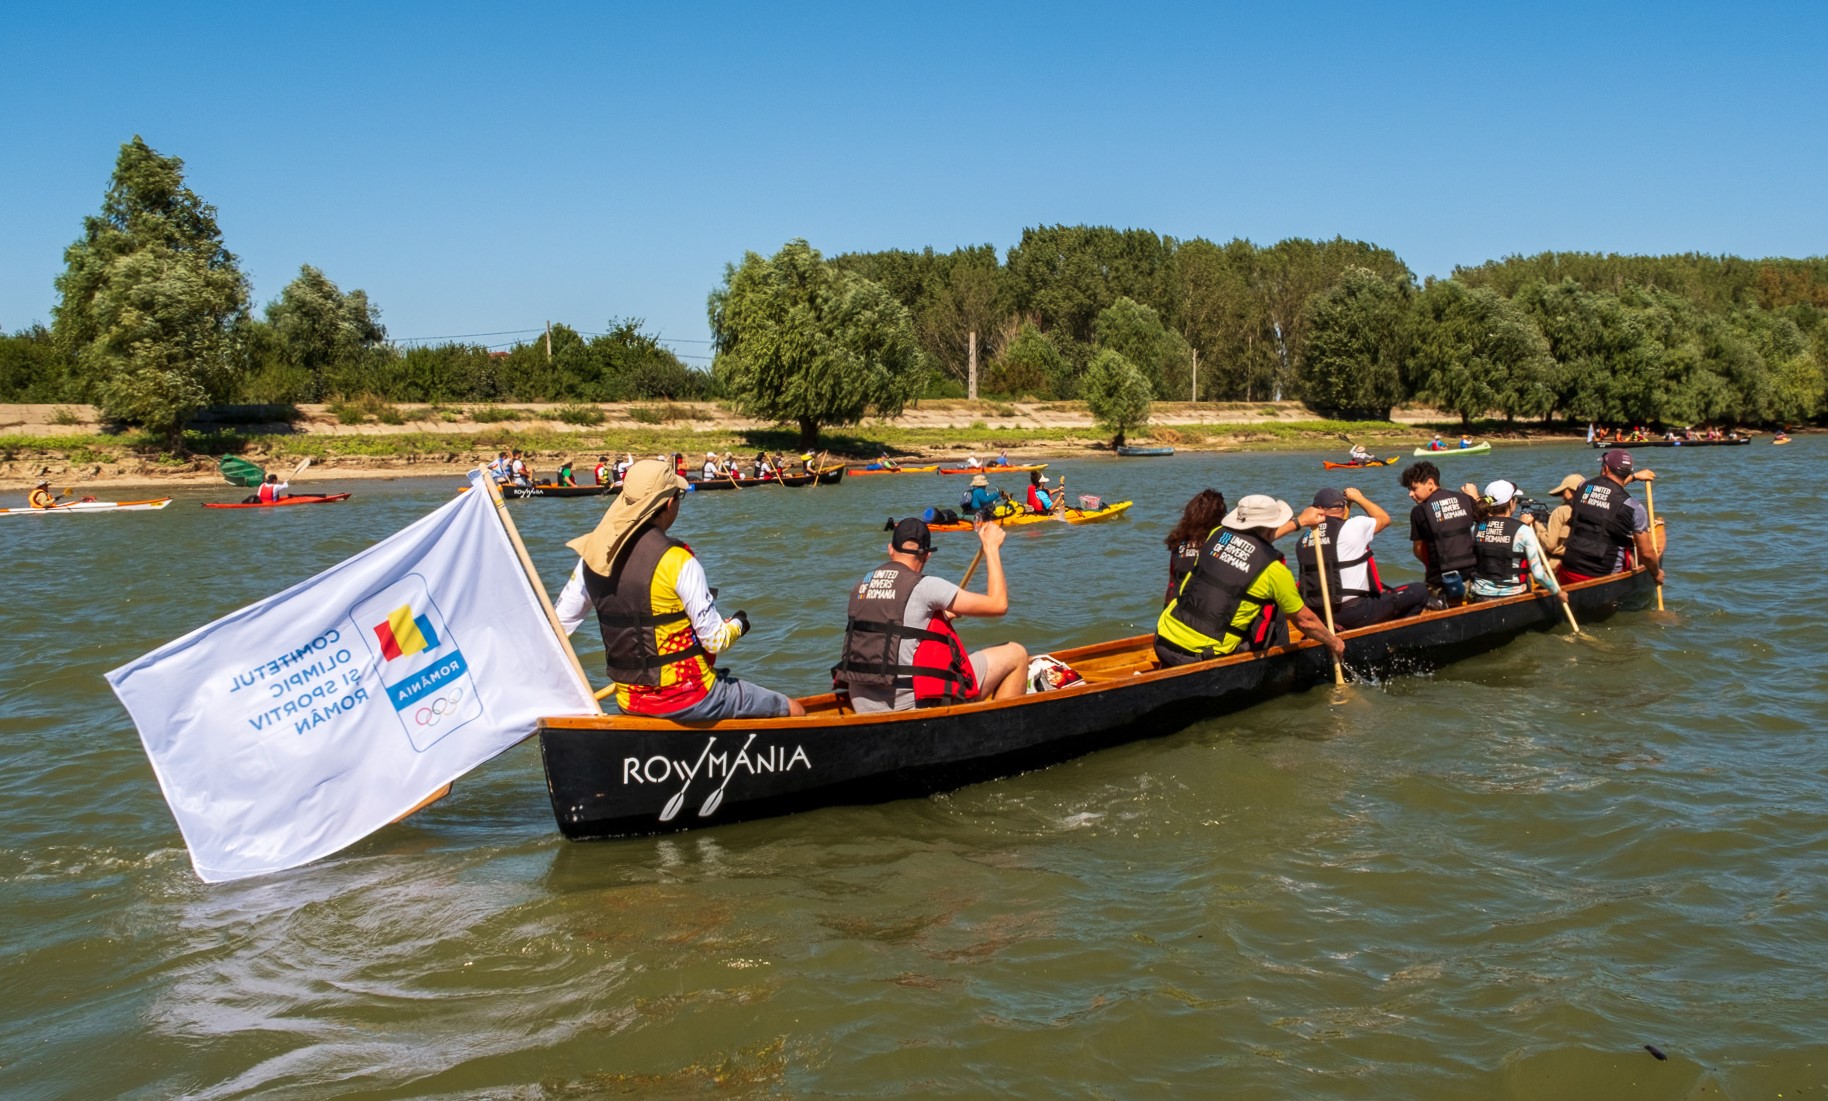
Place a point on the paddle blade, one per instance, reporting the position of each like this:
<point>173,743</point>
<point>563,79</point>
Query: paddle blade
<point>300,468</point>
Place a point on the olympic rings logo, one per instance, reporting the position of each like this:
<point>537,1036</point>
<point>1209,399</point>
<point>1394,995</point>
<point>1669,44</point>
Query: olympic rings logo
<point>433,713</point>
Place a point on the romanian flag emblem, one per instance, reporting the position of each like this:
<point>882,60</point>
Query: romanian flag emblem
<point>405,634</point>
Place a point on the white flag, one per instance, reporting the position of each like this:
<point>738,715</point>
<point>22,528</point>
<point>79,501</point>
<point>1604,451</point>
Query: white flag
<point>300,724</point>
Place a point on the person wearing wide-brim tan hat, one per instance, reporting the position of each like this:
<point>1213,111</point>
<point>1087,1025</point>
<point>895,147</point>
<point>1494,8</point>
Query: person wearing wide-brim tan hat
<point>661,628</point>
<point>1554,533</point>
<point>979,497</point>
<point>41,496</point>
<point>1241,595</point>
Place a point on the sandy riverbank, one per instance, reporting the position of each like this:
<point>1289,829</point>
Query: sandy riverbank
<point>67,444</point>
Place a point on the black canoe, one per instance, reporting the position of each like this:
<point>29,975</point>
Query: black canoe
<point>617,776</point>
<point>522,493</point>
<point>1674,443</point>
<point>791,481</point>
<point>1143,452</point>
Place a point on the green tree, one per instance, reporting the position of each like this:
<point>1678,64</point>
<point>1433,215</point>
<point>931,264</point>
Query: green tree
<point>31,370</point>
<point>799,340</point>
<point>1357,341</point>
<point>1117,393</point>
<point>322,336</point>
<point>1136,332</point>
<point>1029,363</point>
<point>1476,352</point>
<point>150,300</point>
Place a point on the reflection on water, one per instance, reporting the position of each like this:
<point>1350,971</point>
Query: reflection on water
<point>1499,879</point>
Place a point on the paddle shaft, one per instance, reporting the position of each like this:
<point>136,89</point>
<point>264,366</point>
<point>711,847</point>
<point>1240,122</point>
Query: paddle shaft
<point>972,568</point>
<point>1650,507</point>
<point>1326,597</point>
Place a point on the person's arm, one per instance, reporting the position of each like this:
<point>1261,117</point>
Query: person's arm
<point>1539,562</point>
<point>573,603</point>
<point>1555,533</point>
<point>994,601</point>
<point>1313,627</point>
<point>1378,515</point>
<point>715,633</point>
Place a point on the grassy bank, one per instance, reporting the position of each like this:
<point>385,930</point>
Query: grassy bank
<point>856,443</point>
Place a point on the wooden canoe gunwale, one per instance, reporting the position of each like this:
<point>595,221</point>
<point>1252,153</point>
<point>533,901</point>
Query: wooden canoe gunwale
<point>610,775</point>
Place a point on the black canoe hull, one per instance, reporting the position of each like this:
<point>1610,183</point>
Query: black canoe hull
<point>522,493</point>
<point>791,481</point>
<point>619,782</point>
<point>1673,443</point>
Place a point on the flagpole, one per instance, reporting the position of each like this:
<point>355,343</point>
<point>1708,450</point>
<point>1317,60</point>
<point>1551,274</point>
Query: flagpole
<point>533,578</point>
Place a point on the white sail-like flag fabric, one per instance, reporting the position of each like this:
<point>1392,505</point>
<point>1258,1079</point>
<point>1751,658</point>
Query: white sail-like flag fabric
<point>302,723</point>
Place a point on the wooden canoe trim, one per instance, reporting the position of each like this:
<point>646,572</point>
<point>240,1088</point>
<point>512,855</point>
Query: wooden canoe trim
<point>425,802</point>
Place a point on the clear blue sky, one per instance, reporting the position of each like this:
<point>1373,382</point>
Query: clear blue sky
<point>479,168</point>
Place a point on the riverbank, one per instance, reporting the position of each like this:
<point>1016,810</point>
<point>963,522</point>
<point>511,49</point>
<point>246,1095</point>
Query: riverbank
<point>68,444</point>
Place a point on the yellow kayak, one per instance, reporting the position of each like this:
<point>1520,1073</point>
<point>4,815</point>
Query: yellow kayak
<point>1070,516</point>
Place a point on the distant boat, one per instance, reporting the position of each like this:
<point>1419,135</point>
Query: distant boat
<point>1129,452</point>
<point>1475,449</point>
<point>1736,442</point>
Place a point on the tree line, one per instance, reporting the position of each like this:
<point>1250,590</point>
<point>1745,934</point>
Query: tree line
<point>154,321</point>
<point>1345,326</point>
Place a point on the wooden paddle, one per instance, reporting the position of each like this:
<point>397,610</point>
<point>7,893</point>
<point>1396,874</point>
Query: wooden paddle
<point>1650,506</point>
<point>1326,597</point>
<point>302,464</point>
<point>972,568</point>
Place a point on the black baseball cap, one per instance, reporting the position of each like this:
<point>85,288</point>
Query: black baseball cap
<point>1329,498</point>
<point>913,530</point>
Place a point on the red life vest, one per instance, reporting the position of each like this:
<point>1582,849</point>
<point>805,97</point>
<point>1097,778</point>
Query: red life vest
<point>940,672</point>
<point>269,492</point>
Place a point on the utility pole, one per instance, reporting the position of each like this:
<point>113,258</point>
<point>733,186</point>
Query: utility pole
<point>1196,376</point>
<point>548,342</point>
<point>971,370</point>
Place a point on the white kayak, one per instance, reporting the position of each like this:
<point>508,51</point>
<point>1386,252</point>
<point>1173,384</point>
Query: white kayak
<point>91,506</point>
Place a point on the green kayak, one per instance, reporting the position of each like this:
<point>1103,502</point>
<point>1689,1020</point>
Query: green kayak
<point>1475,449</point>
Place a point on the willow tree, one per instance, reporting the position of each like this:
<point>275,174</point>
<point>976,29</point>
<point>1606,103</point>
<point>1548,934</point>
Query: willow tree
<point>1358,338</point>
<point>800,341</point>
<point>150,300</point>
<point>1118,393</point>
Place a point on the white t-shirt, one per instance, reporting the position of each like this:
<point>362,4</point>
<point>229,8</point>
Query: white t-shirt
<point>1354,540</point>
<point>930,597</point>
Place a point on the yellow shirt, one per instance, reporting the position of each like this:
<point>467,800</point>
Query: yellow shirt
<point>1275,584</point>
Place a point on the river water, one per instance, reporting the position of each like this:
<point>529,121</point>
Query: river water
<point>1501,880</point>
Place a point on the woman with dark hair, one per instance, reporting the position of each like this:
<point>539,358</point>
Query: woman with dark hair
<point>1198,520</point>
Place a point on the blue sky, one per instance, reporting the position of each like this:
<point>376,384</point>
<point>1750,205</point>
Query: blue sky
<point>479,168</point>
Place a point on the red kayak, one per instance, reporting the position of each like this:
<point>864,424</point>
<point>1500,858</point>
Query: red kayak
<point>301,499</point>
<point>1355,466</point>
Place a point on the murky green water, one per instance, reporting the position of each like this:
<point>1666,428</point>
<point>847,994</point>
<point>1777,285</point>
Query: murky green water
<point>1499,881</point>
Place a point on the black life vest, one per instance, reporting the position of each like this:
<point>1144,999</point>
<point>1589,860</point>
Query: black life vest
<point>1185,556</point>
<point>1336,587</point>
<point>625,613</point>
<point>1448,518</point>
<point>1501,561</point>
<point>1230,563</point>
<point>874,630</point>
<point>1599,527</point>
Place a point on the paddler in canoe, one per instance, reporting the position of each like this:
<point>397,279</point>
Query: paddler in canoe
<point>660,623</point>
<point>1240,595</point>
<point>41,496</point>
<point>980,497</point>
<point>898,605</point>
<point>1359,454</point>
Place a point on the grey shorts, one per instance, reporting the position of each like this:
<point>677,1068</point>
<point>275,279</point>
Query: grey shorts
<point>730,698</point>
